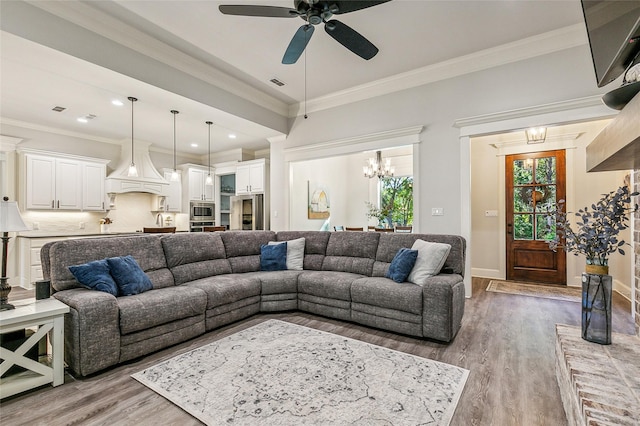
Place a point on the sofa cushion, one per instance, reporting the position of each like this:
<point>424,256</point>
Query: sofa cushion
<point>327,284</point>
<point>128,276</point>
<point>225,289</point>
<point>295,253</point>
<point>243,248</point>
<point>146,250</point>
<point>95,276</point>
<point>188,264</point>
<point>277,282</point>
<point>385,293</point>
<point>352,252</point>
<point>402,264</point>
<point>273,257</point>
<point>156,307</point>
<point>431,258</point>
<point>315,246</point>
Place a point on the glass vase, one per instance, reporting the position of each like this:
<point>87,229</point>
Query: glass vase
<point>596,308</point>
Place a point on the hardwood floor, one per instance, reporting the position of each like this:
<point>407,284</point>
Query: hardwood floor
<point>506,341</point>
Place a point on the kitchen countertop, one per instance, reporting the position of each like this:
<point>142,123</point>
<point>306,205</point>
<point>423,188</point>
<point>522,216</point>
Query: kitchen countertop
<point>72,234</point>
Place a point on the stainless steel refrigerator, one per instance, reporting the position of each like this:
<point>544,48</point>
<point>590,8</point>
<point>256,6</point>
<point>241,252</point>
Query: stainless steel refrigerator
<point>247,212</point>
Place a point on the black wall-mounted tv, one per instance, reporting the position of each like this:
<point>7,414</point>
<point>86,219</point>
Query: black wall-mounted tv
<point>614,36</point>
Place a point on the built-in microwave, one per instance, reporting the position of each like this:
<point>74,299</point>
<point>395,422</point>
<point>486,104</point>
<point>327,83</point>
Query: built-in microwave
<point>202,211</point>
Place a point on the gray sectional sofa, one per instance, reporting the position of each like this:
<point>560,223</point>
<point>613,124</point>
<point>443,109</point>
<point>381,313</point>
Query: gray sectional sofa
<point>202,281</point>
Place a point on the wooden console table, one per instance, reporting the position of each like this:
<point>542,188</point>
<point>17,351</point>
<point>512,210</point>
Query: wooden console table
<point>47,316</point>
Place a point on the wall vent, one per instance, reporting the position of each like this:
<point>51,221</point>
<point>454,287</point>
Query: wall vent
<point>58,109</point>
<point>277,82</point>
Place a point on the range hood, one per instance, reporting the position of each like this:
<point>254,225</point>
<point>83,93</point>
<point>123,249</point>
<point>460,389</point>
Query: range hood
<point>148,180</point>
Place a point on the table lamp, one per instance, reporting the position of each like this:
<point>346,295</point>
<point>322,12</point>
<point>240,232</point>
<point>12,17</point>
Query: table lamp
<point>10,221</point>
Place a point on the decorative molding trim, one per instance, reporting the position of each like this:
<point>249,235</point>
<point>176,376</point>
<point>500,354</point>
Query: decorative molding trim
<point>572,104</point>
<point>55,130</point>
<point>569,137</point>
<point>538,45</point>
<point>61,155</point>
<point>487,273</point>
<point>411,134</point>
<point>8,143</point>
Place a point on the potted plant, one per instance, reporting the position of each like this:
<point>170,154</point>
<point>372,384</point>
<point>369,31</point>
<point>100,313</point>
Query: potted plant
<point>595,236</point>
<point>379,213</point>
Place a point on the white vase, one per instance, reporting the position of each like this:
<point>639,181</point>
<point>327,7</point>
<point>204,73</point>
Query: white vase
<point>104,228</point>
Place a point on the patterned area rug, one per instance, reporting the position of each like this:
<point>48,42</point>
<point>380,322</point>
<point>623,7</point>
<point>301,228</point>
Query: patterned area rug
<point>277,373</point>
<point>567,294</point>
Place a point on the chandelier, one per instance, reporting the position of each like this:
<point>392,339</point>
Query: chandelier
<point>376,168</point>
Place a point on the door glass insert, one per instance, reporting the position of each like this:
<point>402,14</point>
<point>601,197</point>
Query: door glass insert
<point>534,190</point>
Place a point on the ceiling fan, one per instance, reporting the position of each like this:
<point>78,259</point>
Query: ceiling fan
<point>315,12</point>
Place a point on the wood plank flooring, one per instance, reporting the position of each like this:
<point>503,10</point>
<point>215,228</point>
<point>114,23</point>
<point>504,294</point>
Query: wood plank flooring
<point>506,341</point>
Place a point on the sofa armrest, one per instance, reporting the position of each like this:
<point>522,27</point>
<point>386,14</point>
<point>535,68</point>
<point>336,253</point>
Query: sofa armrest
<point>91,330</point>
<point>442,306</point>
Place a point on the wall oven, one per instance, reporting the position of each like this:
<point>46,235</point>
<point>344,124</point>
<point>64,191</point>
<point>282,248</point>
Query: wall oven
<point>201,214</point>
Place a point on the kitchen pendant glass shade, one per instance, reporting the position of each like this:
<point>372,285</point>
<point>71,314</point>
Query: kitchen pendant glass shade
<point>209,180</point>
<point>10,219</point>
<point>133,171</point>
<point>175,176</point>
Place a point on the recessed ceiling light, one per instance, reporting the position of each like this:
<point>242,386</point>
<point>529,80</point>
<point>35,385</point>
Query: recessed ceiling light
<point>117,102</point>
<point>194,145</point>
<point>232,136</point>
<point>82,120</point>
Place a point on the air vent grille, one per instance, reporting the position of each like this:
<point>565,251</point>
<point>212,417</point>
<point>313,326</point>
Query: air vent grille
<point>58,109</point>
<point>277,82</point>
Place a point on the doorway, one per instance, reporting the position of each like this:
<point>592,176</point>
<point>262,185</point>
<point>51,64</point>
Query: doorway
<point>533,184</point>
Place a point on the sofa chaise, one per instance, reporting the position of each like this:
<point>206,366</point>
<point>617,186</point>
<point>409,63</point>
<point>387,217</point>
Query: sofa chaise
<point>202,281</point>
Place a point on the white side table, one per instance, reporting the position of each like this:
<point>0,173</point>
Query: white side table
<point>48,316</point>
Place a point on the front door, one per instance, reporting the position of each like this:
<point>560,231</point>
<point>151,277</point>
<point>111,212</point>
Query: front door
<point>534,181</point>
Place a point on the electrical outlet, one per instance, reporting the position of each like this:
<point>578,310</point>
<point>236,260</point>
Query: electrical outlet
<point>81,226</point>
<point>437,211</point>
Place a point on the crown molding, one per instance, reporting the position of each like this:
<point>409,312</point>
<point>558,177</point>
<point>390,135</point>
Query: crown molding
<point>538,45</point>
<point>103,24</point>
<point>9,143</point>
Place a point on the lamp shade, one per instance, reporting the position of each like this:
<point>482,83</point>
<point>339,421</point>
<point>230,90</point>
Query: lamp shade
<point>10,219</point>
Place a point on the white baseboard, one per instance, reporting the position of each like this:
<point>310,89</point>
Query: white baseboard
<point>487,273</point>
<point>623,289</point>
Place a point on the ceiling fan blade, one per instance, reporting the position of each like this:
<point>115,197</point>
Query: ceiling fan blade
<point>351,39</point>
<point>257,10</point>
<point>297,44</point>
<point>346,6</point>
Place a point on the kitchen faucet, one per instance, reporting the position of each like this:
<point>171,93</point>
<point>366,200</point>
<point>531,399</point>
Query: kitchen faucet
<point>159,220</point>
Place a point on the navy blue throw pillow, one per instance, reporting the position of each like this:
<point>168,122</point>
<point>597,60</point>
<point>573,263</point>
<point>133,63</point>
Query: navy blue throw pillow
<point>273,257</point>
<point>128,275</point>
<point>402,264</point>
<point>95,276</point>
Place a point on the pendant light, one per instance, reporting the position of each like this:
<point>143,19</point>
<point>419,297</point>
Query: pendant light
<point>133,171</point>
<point>175,177</point>
<point>209,180</point>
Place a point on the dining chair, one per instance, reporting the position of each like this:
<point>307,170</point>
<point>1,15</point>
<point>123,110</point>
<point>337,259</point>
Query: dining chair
<point>384,229</point>
<point>214,228</point>
<point>156,230</point>
<point>404,229</point>
<point>371,228</point>
<point>338,228</point>
<point>354,228</point>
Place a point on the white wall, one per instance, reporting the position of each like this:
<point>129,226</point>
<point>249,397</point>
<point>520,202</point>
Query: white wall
<point>559,76</point>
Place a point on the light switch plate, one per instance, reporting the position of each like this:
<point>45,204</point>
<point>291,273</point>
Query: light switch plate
<point>491,213</point>
<point>437,211</point>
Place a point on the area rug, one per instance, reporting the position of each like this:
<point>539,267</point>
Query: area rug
<point>567,294</point>
<point>277,373</point>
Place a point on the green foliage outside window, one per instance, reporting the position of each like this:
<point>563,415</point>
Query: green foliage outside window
<point>396,199</point>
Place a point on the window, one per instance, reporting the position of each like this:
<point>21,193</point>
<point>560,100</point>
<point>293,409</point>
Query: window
<point>396,200</point>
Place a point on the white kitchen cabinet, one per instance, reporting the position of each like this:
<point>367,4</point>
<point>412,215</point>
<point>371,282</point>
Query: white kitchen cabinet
<point>250,177</point>
<point>51,182</point>
<point>171,199</point>
<point>93,195</point>
<point>197,190</point>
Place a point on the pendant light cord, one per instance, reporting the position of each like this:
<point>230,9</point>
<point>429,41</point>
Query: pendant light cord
<point>209,123</point>
<point>132,99</point>
<point>174,112</point>
<point>305,76</point>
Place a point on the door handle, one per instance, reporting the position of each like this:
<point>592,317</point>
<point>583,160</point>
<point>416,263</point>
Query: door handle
<point>509,228</point>
<point>58,204</point>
